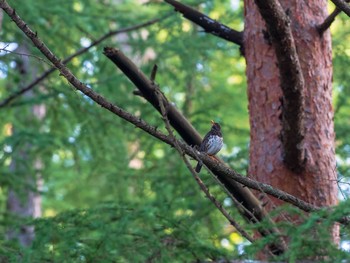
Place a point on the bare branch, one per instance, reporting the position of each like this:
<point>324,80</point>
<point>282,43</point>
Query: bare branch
<point>342,5</point>
<point>328,21</point>
<point>81,51</point>
<point>23,54</point>
<point>292,82</point>
<point>209,25</point>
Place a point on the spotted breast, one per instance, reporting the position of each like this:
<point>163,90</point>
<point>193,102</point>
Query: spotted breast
<point>212,142</point>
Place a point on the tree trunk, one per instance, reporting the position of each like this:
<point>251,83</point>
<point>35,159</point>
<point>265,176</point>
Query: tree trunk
<point>23,202</point>
<point>315,184</point>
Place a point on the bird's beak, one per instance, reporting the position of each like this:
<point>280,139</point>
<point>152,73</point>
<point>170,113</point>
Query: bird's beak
<point>212,122</point>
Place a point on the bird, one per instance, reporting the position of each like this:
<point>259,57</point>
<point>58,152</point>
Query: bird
<point>212,143</point>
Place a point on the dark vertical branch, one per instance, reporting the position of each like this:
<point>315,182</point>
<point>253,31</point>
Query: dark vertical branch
<point>292,82</point>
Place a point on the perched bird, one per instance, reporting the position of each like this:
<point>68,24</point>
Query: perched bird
<point>212,142</point>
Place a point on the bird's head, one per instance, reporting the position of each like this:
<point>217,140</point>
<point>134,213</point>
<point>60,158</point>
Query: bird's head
<point>215,126</point>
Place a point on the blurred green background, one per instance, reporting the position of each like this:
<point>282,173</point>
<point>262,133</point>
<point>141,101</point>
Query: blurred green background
<point>111,193</point>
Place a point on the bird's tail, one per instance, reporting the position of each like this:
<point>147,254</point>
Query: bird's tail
<point>199,167</point>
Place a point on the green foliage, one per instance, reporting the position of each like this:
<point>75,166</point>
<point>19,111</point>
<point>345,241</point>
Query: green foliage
<point>112,193</point>
<point>110,233</point>
<point>342,95</point>
<point>308,236</point>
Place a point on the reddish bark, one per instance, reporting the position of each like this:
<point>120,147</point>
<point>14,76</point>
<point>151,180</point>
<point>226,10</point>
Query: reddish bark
<point>317,183</point>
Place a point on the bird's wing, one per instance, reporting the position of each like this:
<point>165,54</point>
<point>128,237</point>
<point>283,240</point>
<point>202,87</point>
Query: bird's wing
<point>203,146</point>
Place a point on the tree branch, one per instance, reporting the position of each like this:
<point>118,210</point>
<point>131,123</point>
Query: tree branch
<point>292,82</point>
<point>214,165</point>
<point>342,5</point>
<point>222,170</point>
<point>208,24</point>
<point>328,21</point>
<point>81,51</point>
<point>147,89</point>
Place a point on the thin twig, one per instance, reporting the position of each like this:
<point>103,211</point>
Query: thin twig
<point>274,247</point>
<point>25,55</point>
<point>214,201</point>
